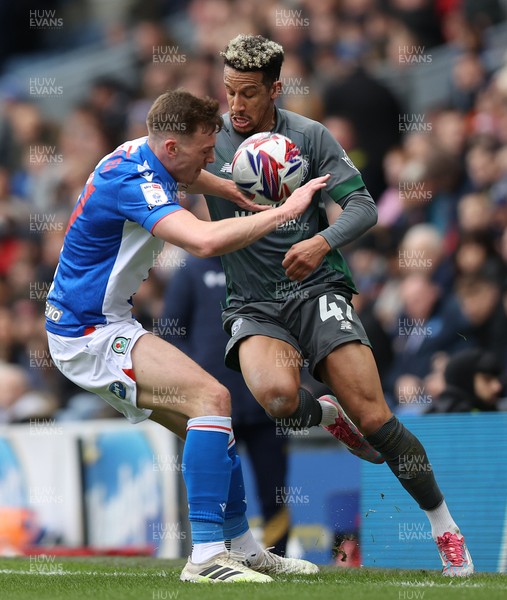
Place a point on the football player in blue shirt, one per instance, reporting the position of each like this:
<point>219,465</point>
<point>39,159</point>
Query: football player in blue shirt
<point>127,210</point>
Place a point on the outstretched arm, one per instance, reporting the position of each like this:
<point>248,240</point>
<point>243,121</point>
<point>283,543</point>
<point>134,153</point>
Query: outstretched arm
<point>210,184</point>
<point>203,238</point>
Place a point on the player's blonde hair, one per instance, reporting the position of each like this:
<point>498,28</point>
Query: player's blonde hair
<point>254,53</point>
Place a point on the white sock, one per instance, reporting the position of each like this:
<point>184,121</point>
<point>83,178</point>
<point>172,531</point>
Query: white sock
<point>246,544</point>
<point>441,521</point>
<point>201,553</point>
<point>329,412</point>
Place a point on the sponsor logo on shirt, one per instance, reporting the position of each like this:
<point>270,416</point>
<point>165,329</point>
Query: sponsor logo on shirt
<point>120,345</point>
<point>226,168</point>
<point>52,313</point>
<point>118,389</point>
<point>154,194</point>
<point>145,171</point>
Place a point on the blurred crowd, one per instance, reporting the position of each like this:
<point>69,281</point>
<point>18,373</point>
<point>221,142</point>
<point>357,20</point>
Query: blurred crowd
<point>431,275</point>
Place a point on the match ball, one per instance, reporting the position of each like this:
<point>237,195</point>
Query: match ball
<point>267,168</point>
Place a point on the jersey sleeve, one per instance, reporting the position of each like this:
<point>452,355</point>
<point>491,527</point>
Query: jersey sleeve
<point>146,202</point>
<point>331,158</point>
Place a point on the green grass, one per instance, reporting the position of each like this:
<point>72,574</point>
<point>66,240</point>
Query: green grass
<point>111,578</point>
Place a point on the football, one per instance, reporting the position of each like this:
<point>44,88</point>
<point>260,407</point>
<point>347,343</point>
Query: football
<point>267,167</point>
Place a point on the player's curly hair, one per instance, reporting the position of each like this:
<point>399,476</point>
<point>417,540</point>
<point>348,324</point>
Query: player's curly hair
<point>178,111</point>
<point>255,53</point>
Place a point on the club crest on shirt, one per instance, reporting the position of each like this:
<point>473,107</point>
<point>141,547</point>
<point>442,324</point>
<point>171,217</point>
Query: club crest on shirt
<point>236,326</point>
<point>120,345</point>
<point>154,194</point>
<point>306,167</point>
<point>346,159</point>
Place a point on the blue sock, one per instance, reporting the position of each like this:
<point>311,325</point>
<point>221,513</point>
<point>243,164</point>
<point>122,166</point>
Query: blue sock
<point>206,469</point>
<point>235,522</point>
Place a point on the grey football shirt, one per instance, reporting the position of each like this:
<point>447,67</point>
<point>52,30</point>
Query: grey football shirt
<point>255,273</point>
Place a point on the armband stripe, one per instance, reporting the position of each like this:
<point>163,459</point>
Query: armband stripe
<point>345,188</point>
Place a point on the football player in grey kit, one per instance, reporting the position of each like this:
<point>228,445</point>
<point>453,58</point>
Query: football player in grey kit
<point>289,294</point>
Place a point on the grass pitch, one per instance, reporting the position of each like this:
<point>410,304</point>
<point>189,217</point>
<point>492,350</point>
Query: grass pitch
<point>111,578</point>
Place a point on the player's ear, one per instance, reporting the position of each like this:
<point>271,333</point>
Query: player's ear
<point>170,145</point>
<point>276,89</point>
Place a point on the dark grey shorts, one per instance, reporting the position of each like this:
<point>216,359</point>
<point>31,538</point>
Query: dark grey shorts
<point>314,322</point>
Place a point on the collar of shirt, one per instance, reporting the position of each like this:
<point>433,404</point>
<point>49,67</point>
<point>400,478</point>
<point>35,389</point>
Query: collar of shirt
<point>155,165</point>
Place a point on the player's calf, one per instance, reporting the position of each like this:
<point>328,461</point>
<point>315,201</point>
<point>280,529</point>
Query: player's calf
<point>408,460</point>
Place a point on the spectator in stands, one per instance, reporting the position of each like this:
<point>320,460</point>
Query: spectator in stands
<point>55,179</point>
<point>481,163</point>
<point>391,204</point>
<point>480,300</point>
<point>420,17</point>
<point>434,382</point>
<point>369,266</point>
<point>449,128</point>
<point>18,401</point>
<point>344,132</point>
<point>377,130</point>
<point>475,213</point>
<point>14,218</point>
<point>472,383</point>
<point>109,98</point>
<point>429,322</point>
<point>476,253</point>
<point>14,385</point>
<point>468,78</point>
<point>422,250</point>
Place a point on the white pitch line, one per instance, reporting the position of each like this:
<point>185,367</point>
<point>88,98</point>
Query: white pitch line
<point>456,582</point>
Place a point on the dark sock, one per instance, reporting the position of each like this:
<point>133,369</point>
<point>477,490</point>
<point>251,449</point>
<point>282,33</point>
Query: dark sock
<point>408,460</point>
<point>307,414</point>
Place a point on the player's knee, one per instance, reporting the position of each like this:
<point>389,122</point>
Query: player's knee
<point>370,421</point>
<point>280,401</point>
<point>217,400</point>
